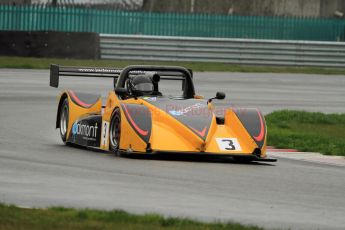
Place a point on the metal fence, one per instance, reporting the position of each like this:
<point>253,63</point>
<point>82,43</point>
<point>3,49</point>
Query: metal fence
<point>42,17</point>
<point>235,51</point>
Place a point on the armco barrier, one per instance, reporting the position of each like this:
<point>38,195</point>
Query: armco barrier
<point>79,45</point>
<point>235,51</point>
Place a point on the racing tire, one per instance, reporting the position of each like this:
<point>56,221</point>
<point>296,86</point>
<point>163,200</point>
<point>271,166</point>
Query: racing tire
<point>64,116</point>
<point>115,132</point>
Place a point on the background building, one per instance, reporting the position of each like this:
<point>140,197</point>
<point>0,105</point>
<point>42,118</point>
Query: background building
<point>15,2</point>
<point>302,8</point>
<point>294,8</point>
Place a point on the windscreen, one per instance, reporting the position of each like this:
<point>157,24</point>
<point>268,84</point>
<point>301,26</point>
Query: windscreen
<point>167,81</point>
<point>171,88</point>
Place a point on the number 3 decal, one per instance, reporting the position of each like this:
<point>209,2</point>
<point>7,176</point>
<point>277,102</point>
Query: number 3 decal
<point>228,144</point>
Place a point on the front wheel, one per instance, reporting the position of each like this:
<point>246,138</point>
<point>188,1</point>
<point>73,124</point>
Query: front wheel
<point>115,131</point>
<point>64,113</point>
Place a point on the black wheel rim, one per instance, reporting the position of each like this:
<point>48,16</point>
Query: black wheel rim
<point>115,132</point>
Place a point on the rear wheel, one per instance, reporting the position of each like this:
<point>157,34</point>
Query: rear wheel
<point>64,113</point>
<point>115,131</point>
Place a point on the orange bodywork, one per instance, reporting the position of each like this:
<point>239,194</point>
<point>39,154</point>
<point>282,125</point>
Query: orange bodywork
<point>167,133</point>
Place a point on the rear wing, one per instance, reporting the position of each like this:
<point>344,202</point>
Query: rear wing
<point>56,71</point>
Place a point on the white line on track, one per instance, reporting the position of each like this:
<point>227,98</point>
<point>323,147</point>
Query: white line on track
<point>310,157</point>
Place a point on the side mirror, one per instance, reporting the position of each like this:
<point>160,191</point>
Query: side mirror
<point>219,96</point>
<point>121,91</point>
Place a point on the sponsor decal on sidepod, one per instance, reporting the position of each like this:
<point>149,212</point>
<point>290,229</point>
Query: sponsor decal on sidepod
<point>88,131</point>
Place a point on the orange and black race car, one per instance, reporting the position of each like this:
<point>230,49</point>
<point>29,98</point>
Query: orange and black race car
<point>154,109</point>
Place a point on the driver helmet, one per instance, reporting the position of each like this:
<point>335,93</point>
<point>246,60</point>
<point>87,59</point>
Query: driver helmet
<point>142,84</point>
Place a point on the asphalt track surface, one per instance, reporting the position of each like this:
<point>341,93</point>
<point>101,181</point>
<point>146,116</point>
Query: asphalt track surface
<point>36,169</point>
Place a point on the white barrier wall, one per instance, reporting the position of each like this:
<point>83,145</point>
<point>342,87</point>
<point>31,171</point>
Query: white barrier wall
<point>234,51</point>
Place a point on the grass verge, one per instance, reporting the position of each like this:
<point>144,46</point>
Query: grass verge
<point>44,63</point>
<point>305,131</point>
<point>12,217</point>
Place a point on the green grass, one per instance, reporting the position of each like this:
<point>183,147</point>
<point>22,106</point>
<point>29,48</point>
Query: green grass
<point>305,131</point>
<point>12,217</point>
<point>44,63</point>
